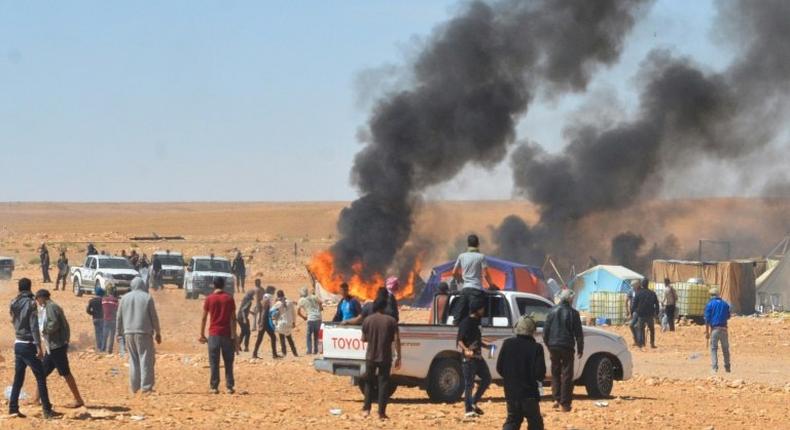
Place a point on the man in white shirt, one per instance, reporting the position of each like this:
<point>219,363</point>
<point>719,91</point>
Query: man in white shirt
<point>470,270</point>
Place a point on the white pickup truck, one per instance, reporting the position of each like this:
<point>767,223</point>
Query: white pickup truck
<point>101,271</point>
<point>430,359</point>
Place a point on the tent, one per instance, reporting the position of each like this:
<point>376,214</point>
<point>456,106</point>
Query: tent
<point>506,275</point>
<point>735,279</point>
<point>613,279</point>
<point>773,287</point>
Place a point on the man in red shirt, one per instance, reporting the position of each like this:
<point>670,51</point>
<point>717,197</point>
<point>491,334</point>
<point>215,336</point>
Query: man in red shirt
<point>221,334</point>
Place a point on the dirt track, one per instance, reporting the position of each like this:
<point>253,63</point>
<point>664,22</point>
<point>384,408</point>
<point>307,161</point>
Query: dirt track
<point>672,387</point>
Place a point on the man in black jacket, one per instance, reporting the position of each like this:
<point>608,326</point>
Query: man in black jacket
<point>646,307</point>
<point>44,258</point>
<point>28,350</point>
<point>522,367</point>
<point>563,331</point>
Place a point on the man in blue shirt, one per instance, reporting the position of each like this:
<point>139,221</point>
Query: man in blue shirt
<point>717,312</point>
<point>348,307</point>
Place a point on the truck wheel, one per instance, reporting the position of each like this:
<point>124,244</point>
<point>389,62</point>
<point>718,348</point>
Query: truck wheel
<point>599,376</point>
<point>77,287</point>
<point>446,381</point>
<point>375,394</point>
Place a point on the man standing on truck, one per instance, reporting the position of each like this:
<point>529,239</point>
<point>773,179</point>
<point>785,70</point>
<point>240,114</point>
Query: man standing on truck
<point>348,307</point>
<point>561,332</point>
<point>470,342</point>
<point>523,368</point>
<point>221,334</point>
<point>238,269</point>
<point>470,269</point>
<point>717,313</point>
<point>138,323</point>
<point>44,258</point>
<point>380,331</point>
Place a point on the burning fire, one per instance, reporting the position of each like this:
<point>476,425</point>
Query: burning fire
<point>322,267</point>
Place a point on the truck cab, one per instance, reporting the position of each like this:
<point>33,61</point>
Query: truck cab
<point>102,271</point>
<point>200,275</point>
<point>172,267</point>
<point>6,267</point>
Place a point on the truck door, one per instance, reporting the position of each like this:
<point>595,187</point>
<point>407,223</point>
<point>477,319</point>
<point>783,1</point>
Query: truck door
<point>496,326</point>
<point>538,310</point>
<point>90,275</point>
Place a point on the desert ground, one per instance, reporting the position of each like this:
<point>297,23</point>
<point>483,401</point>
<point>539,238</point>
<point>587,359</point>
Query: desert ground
<point>672,387</point>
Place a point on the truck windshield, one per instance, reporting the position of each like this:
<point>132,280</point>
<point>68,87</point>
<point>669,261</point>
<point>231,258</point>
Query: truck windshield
<point>212,266</point>
<point>115,263</point>
<point>170,260</point>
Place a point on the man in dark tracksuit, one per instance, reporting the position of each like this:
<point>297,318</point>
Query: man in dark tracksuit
<point>563,331</point>
<point>522,366</point>
<point>646,306</point>
<point>240,271</point>
<point>28,350</point>
<point>44,257</point>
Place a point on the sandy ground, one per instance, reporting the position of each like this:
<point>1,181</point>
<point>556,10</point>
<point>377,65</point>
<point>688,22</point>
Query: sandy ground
<point>672,387</point>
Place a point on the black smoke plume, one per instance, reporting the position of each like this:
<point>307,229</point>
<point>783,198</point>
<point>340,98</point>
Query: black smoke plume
<point>686,114</point>
<point>472,82</point>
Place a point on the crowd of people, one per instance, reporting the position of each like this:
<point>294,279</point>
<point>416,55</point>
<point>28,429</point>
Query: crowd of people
<point>43,336</point>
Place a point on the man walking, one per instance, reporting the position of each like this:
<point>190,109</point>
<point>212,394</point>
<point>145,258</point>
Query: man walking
<point>380,331</point>
<point>470,342</point>
<point>310,311</point>
<point>55,336</point>
<point>44,258</point>
<point>265,326</point>
<point>243,317</point>
<point>63,270</point>
<point>470,269</point>
<point>28,350</point>
<point>633,325</point>
<point>523,368</point>
<point>670,301</point>
<point>138,324</point>
<point>238,269</point>
<point>717,313</point>
<point>96,311</point>
<point>220,306</point>
<point>561,333</point>
<point>646,306</point>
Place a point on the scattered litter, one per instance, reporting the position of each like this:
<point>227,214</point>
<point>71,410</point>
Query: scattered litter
<point>137,417</point>
<point>602,404</point>
<point>336,412</point>
<point>114,371</point>
<point>694,356</point>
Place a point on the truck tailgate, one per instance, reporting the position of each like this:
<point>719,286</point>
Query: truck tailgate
<point>344,343</point>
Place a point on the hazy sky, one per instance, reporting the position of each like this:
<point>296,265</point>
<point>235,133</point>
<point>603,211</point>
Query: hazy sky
<point>235,100</point>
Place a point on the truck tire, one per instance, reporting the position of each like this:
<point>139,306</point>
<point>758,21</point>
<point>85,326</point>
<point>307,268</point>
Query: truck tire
<point>375,394</point>
<point>77,287</point>
<point>445,381</point>
<point>599,376</point>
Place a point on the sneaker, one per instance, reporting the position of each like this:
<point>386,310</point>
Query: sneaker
<point>16,414</point>
<point>48,415</point>
<point>477,409</point>
<point>471,414</point>
<point>231,391</point>
<point>556,405</point>
<point>727,369</point>
<point>214,391</point>
<point>566,409</point>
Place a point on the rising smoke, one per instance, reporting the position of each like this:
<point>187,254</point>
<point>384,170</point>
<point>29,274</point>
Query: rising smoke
<point>685,114</point>
<point>471,84</point>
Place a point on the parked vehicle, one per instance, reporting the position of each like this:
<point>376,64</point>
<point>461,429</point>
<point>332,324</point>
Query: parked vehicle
<point>200,275</point>
<point>6,267</point>
<point>431,360</point>
<point>172,267</point>
<point>102,271</point>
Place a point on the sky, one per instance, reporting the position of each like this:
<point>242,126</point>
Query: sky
<point>242,100</point>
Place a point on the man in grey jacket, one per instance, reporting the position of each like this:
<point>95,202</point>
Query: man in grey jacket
<point>138,323</point>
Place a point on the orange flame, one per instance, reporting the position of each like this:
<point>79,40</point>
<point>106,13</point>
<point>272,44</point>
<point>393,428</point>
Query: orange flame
<point>322,267</point>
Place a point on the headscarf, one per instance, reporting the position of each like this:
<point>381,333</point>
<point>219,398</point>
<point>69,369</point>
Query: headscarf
<point>139,284</point>
<point>525,326</point>
<point>392,284</point>
<point>98,291</point>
